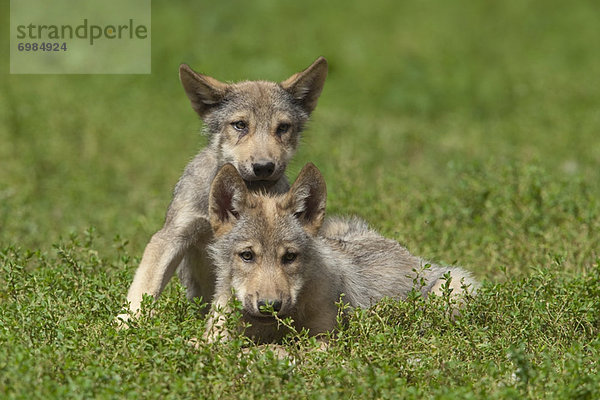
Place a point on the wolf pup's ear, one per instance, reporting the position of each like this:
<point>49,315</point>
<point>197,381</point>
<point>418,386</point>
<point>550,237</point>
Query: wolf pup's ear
<point>226,199</point>
<point>306,86</point>
<point>307,198</point>
<point>203,91</point>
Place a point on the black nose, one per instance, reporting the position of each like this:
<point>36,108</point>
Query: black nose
<point>263,170</point>
<point>276,304</point>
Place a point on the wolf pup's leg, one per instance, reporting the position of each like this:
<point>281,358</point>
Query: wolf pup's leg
<point>196,273</point>
<point>163,254</point>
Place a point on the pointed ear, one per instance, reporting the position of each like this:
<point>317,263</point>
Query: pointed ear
<point>307,198</point>
<point>203,91</point>
<point>226,200</point>
<point>306,86</point>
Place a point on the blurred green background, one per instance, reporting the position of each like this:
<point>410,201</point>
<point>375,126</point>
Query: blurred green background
<point>468,130</point>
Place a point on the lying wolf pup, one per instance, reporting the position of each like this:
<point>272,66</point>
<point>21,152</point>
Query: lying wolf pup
<point>276,250</point>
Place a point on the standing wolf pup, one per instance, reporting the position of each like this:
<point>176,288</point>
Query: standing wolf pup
<point>277,250</point>
<point>255,126</point>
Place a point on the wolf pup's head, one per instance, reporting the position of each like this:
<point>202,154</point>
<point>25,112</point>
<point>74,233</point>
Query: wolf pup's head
<point>256,125</point>
<point>263,244</point>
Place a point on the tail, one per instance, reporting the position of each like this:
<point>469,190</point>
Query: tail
<point>459,281</point>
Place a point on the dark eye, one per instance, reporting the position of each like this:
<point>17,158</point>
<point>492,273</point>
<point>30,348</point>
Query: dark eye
<point>239,125</point>
<point>289,258</point>
<point>282,128</point>
<point>247,256</point>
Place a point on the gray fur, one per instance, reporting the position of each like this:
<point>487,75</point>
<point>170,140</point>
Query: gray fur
<point>344,256</point>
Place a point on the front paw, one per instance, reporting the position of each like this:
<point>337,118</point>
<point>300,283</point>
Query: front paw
<point>279,351</point>
<point>122,321</point>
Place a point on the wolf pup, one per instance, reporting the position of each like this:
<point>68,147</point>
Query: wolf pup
<point>255,126</point>
<point>277,250</point>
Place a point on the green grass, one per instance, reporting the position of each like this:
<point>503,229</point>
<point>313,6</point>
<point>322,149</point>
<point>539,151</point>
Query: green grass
<point>466,130</point>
